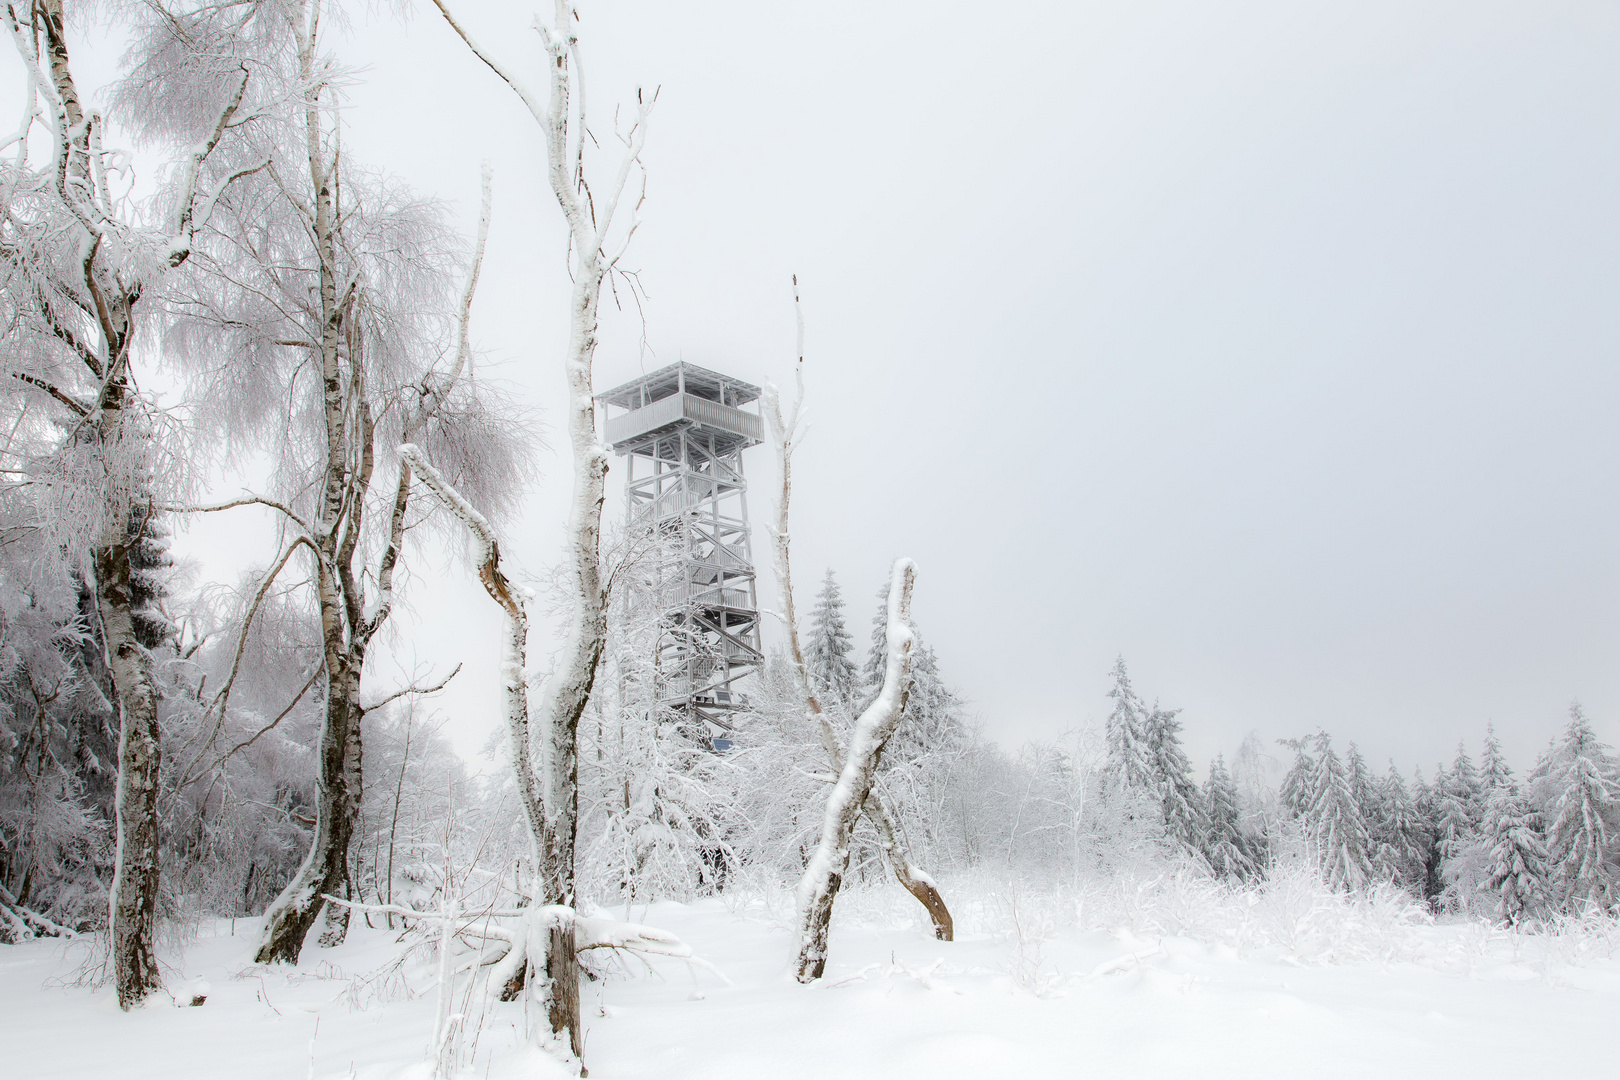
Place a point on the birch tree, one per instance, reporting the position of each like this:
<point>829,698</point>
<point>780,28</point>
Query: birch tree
<point>78,260</point>
<point>784,430</point>
<point>596,242</point>
<point>328,290</point>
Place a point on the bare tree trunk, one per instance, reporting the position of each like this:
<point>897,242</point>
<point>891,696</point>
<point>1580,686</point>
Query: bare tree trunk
<point>914,881</point>
<point>823,877</point>
<point>325,868</point>
<point>565,694</point>
<point>554,973</point>
<point>133,900</point>
<point>116,264</point>
<point>783,432</point>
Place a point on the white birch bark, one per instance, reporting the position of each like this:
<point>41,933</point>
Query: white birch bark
<point>824,874</point>
<point>567,690</point>
<point>348,622</point>
<point>119,261</point>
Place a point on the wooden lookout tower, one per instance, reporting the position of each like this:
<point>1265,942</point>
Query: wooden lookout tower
<point>683,430</point>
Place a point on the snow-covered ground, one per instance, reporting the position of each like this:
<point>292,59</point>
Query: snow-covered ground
<point>1254,986</point>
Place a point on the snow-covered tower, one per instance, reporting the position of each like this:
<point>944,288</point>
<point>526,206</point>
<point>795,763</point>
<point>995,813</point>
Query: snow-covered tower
<point>683,430</point>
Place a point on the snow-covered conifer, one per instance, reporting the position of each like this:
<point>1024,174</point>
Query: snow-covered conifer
<point>1130,754</point>
<point>1460,804</point>
<point>1516,853</point>
<point>1185,818</point>
<point>932,723</point>
<point>1366,793</point>
<point>827,653</point>
<point>1494,771</point>
<point>1335,824</point>
<point>1398,835</point>
<point>1298,782</point>
<point>1585,818</point>
<point>1226,848</point>
<point>1426,799</point>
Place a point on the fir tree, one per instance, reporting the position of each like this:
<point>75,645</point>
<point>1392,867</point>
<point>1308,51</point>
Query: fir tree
<point>1517,855</point>
<point>1366,793</point>
<point>1227,849</point>
<point>932,721</point>
<point>876,656</point>
<point>1494,772</point>
<point>1334,822</point>
<point>1130,759</point>
<point>1584,811</point>
<point>1184,818</point>
<point>1295,795</point>
<point>1397,834</point>
<point>1460,807</point>
<point>827,653</point>
<point>1426,799</point>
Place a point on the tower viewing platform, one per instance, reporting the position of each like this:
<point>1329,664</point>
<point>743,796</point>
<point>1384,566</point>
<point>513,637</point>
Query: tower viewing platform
<point>683,395</point>
<point>683,429</point>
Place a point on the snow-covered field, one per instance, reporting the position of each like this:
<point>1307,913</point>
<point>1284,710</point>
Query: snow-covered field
<point>1255,985</point>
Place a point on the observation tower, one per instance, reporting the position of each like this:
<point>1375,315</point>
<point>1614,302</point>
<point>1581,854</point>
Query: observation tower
<point>683,430</point>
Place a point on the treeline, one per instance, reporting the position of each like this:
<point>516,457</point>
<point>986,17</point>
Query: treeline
<point>1475,839</point>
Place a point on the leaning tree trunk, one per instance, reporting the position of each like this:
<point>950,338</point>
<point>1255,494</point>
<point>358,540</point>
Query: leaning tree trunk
<point>823,877</point>
<point>783,432</point>
<point>548,968</point>
<point>326,868</point>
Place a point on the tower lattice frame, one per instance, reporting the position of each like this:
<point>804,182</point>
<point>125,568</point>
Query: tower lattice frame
<point>682,430</point>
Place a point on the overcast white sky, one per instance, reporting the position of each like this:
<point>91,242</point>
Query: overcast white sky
<point>1271,345</point>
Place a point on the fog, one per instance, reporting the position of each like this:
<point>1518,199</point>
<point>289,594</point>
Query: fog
<point>1270,346</point>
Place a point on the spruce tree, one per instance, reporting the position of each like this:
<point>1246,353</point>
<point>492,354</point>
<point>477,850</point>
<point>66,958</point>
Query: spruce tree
<point>1295,795</point>
<point>1461,804</point>
<point>1184,818</point>
<point>1584,819</point>
<point>932,721</point>
<point>828,652</point>
<point>1364,791</point>
<point>1130,761</point>
<point>1517,855</point>
<point>1398,835</point>
<point>877,654</point>
<point>1494,772</point>
<point>1335,823</point>
<point>1227,849</point>
<point>1426,798</point>
<point>933,717</point>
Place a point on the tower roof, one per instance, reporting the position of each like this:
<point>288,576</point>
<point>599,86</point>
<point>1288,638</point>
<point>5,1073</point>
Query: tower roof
<point>676,378</point>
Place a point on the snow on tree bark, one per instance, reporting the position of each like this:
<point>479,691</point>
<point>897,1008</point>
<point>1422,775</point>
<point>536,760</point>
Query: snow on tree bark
<point>117,261</point>
<point>824,874</point>
<point>565,693</point>
<point>783,432</point>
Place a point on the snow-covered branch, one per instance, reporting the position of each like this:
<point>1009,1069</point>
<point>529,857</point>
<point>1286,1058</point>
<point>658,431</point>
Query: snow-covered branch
<point>824,873</point>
